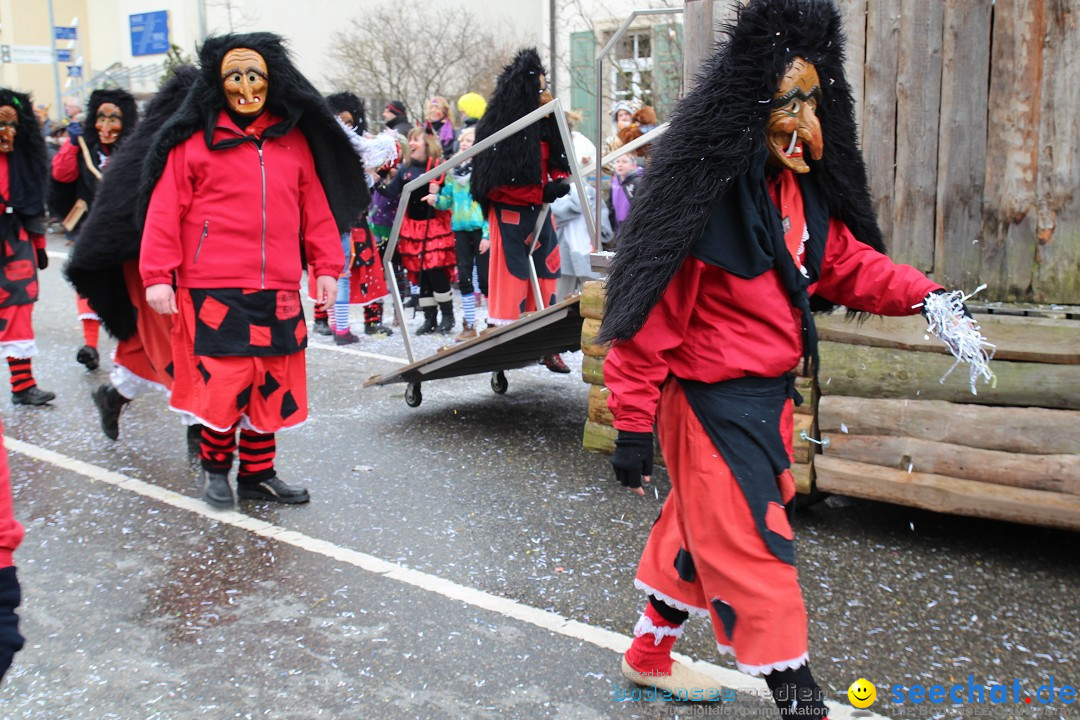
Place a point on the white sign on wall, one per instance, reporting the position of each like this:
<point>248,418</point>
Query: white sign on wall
<point>32,54</point>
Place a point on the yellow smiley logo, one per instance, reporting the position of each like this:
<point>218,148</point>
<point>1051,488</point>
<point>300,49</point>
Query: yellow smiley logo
<point>862,693</point>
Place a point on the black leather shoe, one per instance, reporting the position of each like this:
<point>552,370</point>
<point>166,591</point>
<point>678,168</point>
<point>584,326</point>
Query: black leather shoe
<point>217,491</point>
<point>32,396</point>
<point>273,489</point>
<point>89,357</point>
<point>109,402</point>
<point>322,326</point>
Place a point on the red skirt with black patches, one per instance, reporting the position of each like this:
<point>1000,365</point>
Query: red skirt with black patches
<point>367,281</point>
<point>510,292</point>
<point>147,353</point>
<point>17,331</point>
<point>427,244</point>
<point>266,394</point>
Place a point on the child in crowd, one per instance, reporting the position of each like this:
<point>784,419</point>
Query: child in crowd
<point>426,244</point>
<point>471,235</point>
<point>623,185</point>
<point>575,243</point>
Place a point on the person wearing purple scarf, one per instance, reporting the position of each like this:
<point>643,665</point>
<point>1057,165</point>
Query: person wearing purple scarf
<point>623,184</point>
<point>438,123</point>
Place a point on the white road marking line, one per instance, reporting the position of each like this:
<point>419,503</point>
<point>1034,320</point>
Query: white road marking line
<point>512,609</point>
<point>56,254</point>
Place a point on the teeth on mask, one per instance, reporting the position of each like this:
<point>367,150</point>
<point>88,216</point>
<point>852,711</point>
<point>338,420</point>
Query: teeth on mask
<point>794,139</point>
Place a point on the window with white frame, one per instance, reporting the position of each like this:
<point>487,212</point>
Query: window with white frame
<point>632,68</point>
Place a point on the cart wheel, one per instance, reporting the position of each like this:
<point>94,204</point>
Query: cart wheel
<point>498,382</point>
<point>413,396</point>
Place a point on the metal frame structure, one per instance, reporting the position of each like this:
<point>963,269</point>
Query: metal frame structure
<point>599,68</point>
<point>553,107</point>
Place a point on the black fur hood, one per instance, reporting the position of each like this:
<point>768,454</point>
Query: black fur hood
<point>515,160</point>
<point>290,97</point>
<point>716,130</point>
<point>28,161</point>
<point>120,98</point>
<point>110,235</point>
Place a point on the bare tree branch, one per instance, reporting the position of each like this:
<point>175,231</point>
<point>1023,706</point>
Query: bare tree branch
<point>412,50</point>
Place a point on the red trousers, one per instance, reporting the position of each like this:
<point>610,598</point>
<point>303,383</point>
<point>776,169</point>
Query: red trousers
<point>752,597</point>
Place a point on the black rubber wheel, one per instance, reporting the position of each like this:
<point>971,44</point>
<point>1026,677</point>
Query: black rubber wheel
<point>499,383</point>
<point>413,396</point>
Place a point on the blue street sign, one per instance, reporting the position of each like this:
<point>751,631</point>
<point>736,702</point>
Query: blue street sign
<point>63,56</point>
<point>74,71</point>
<point>150,33</point>
<point>65,33</point>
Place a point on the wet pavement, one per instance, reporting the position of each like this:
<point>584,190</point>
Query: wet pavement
<point>139,603</point>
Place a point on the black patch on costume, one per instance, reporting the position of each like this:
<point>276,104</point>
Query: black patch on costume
<point>727,616</point>
<point>516,239</point>
<point>269,386</point>
<point>243,398</point>
<point>170,370</point>
<point>684,565</point>
<point>742,418</point>
<point>204,372</point>
<point>248,314</point>
<point>288,405</point>
<point>364,248</point>
<point>3,324</point>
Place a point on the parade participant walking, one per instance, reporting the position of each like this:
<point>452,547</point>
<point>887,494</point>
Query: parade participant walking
<point>22,234</point>
<point>513,180</point>
<point>11,535</point>
<point>79,164</point>
<point>426,243</point>
<point>104,269</point>
<point>708,322</point>
<point>252,171</point>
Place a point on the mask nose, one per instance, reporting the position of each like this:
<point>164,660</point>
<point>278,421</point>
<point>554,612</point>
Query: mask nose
<point>810,132</point>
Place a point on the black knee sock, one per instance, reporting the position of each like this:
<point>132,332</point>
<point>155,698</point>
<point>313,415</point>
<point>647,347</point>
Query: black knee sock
<point>796,693</point>
<point>672,615</point>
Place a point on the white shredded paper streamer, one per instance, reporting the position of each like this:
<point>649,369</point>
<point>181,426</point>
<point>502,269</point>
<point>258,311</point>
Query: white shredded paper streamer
<point>947,321</point>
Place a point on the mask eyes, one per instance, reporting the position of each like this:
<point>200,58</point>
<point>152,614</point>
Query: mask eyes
<point>236,78</point>
<point>252,77</point>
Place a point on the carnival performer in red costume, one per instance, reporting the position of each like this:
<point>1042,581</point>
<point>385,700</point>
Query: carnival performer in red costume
<point>104,269</point>
<point>250,174</point>
<point>22,233</point>
<point>512,180</point>
<point>77,169</point>
<point>747,210</point>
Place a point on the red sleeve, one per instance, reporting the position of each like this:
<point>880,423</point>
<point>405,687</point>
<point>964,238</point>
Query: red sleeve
<point>11,532</point>
<point>65,163</point>
<point>636,368</point>
<point>855,275</point>
<point>322,241</point>
<point>162,251</point>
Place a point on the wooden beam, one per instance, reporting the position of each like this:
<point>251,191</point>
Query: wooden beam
<point>962,143</point>
<point>879,109</point>
<point>1056,473</point>
<point>592,300</point>
<point>859,371</point>
<point>948,495</point>
<point>1015,430</point>
<point>1015,338</point>
<point>589,330</point>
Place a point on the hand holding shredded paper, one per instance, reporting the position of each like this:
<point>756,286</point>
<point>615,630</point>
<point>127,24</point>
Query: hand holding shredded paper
<point>949,320</point>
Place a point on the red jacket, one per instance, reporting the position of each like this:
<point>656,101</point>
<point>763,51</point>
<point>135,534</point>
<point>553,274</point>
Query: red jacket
<point>11,532</point>
<point>235,217</point>
<point>711,325</point>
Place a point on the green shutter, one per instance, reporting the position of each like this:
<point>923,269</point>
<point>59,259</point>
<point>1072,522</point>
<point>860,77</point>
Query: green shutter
<point>667,67</point>
<point>582,79</point>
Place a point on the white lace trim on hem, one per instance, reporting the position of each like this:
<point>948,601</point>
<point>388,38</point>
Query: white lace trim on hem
<point>668,600</point>
<point>760,670</point>
<point>245,423</point>
<point>19,349</point>
<point>645,626</point>
<point>89,316</point>
<point>131,385</point>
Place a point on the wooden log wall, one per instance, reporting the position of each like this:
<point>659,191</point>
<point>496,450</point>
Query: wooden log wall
<point>971,134</point>
<point>896,432</point>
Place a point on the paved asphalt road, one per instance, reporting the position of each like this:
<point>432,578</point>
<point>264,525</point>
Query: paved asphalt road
<point>464,559</point>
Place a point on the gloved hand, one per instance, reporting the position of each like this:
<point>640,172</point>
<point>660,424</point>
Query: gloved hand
<point>11,641</point>
<point>74,130</point>
<point>943,291</point>
<point>633,457</point>
<point>42,259</point>
<point>556,189</point>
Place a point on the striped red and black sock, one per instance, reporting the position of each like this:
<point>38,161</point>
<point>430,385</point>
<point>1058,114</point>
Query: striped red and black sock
<point>21,376</point>
<point>256,457</point>
<point>91,329</point>
<point>216,449</point>
<point>321,314</point>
